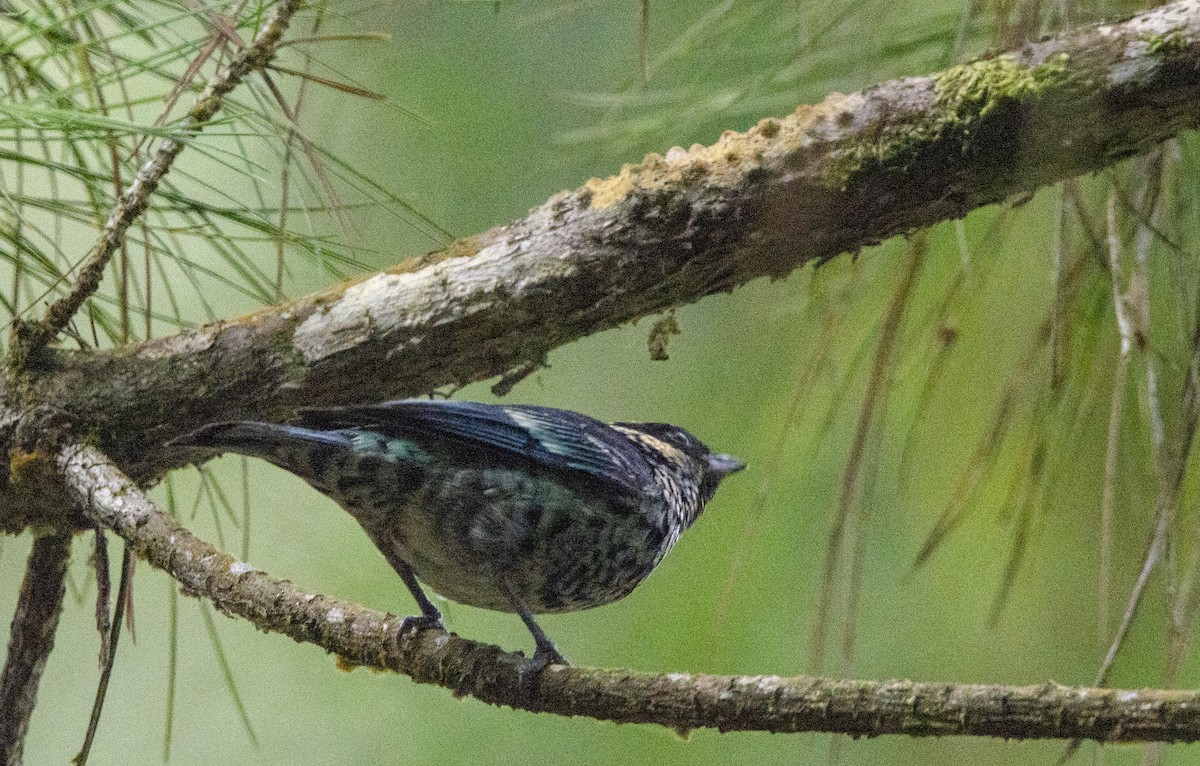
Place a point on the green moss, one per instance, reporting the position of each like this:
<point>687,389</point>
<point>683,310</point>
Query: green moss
<point>892,146</point>
<point>1165,45</point>
<point>91,438</point>
<point>972,91</point>
<point>966,96</point>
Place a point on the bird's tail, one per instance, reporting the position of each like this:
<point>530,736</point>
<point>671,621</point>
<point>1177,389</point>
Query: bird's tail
<point>300,450</point>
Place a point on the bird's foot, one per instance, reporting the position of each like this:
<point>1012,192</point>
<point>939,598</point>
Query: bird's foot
<point>531,670</point>
<point>414,623</point>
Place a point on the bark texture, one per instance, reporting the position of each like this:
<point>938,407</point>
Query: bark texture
<point>670,230</point>
<point>827,179</point>
<point>682,701</point>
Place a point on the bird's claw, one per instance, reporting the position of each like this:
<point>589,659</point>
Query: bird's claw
<point>547,655</point>
<point>417,622</point>
<point>531,670</point>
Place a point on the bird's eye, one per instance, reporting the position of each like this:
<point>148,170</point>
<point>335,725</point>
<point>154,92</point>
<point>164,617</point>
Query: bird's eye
<point>682,438</point>
<point>679,438</point>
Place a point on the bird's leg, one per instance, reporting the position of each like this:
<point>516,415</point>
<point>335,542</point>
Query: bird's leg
<point>545,654</point>
<point>431,616</point>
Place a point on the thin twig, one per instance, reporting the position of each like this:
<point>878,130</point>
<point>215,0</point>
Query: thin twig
<point>106,669</point>
<point>31,336</point>
<point>1108,498</point>
<point>103,593</point>
<point>1167,470</point>
<point>845,521</point>
<point>644,42</point>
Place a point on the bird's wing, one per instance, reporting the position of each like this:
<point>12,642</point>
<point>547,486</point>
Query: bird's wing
<point>557,439</point>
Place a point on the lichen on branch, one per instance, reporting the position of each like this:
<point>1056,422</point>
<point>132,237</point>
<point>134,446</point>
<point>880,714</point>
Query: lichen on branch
<point>681,701</point>
<point>661,233</point>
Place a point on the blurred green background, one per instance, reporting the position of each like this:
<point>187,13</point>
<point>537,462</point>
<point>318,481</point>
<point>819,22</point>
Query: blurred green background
<point>492,108</point>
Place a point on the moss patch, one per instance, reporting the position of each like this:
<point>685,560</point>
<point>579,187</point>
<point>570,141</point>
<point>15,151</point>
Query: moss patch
<point>973,91</point>
<point>1169,44</point>
<point>966,97</point>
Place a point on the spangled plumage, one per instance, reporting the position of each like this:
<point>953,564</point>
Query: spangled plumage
<point>550,438</point>
<point>509,507</point>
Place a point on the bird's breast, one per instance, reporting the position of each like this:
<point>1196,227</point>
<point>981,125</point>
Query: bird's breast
<point>563,543</point>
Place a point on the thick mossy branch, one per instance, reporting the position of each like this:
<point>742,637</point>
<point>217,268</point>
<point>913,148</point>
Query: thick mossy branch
<point>681,701</point>
<point>827,179</point>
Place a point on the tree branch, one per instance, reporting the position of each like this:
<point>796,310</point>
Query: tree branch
<point>681,701</point>
<point>827,179</point>
<point>31,336</point>
<point>32,639</point>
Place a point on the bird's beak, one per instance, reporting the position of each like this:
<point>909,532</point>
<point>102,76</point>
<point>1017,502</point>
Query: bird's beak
<point>724,464</point>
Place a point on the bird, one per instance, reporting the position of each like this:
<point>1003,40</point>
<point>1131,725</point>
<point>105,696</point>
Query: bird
<point>516,508</point>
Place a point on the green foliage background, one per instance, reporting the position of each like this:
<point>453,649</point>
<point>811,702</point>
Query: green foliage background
<point>494,107</point>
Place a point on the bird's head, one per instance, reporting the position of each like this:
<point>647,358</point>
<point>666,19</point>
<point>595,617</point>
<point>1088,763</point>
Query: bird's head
<point>712,466</point>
